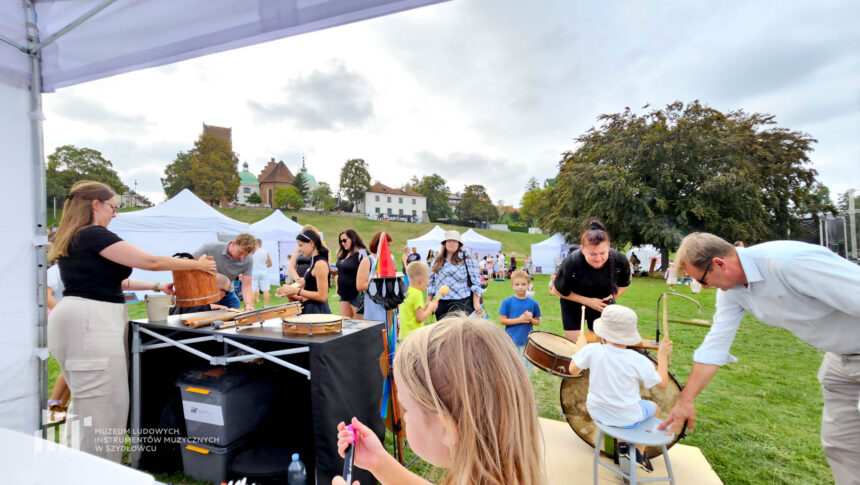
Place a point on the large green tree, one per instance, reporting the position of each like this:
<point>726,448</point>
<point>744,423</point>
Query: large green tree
<point>435,189</point>
<point>209,170</point>
<point>322,198</point>
<point>354,180</point>
<point>656,177</point>
<point>288,197</point>
<point>69,164</point>
<point>301,183</point>
<point>475,205</point>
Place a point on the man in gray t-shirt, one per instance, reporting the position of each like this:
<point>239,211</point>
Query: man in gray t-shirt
<point>231,261</point>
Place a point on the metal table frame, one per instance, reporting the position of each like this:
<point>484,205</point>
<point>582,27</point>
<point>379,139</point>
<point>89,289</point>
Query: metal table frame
<point>138,346</point>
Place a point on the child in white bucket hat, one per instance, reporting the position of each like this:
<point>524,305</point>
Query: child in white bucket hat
<point>616,371</point>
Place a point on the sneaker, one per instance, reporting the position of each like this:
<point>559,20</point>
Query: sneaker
<point>644,462</point>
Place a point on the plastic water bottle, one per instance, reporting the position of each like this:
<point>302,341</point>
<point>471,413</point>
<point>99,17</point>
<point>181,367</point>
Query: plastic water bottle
<point>296,473</point>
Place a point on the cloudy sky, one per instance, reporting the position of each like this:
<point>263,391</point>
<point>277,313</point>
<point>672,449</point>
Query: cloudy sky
<point>481,91</point>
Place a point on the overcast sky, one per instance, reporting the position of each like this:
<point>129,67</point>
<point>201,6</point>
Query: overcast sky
<point>481,91</point>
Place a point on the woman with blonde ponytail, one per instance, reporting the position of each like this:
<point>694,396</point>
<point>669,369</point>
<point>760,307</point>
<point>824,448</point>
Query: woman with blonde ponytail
<point>87,331</point>
<point>478,422</point>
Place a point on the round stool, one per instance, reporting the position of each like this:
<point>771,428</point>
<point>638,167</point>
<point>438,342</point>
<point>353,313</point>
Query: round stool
<point>644,433</point>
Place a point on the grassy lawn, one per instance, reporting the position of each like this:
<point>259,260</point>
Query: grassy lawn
<point>759,420</point>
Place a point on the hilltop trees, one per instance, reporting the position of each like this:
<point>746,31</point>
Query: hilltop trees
<point>354,180</point>
<point>656,177</point>
<point>435,189</point>
<point>69,164</point>
<point>208,169</point>
<point>475,205</point>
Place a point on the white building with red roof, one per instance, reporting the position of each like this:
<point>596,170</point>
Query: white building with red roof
<point>384,202</point>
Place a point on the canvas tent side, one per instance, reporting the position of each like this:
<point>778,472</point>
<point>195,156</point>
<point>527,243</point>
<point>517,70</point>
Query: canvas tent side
<point>475,242</point>
<point>431,240</point>
<point>548,253</point>
<point>278,233</point>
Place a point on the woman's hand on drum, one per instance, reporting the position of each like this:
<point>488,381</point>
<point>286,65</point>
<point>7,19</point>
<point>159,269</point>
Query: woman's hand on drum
<point>287,290</point>
<point>207,264</point>
<point>369,452</point>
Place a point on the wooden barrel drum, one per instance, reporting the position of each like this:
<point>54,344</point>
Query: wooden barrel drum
<point>193,288</point>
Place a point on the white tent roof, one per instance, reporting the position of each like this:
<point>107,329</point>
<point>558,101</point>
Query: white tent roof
<point>547,253</point>
<point>127,36</point>
<point>183,212</point>
<point>276,227</point>
<point>475,242</point>
<point>431,240</point>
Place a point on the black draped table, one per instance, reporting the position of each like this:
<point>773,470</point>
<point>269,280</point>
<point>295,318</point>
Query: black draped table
<point>320,381</point>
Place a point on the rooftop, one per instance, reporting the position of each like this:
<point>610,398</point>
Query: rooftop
<point>378,188</point>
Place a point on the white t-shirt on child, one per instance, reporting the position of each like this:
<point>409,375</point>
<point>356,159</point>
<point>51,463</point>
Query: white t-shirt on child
<point>613,387</point>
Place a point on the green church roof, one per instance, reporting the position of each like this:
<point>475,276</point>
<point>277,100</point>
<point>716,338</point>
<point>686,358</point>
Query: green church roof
<point>246,177</point>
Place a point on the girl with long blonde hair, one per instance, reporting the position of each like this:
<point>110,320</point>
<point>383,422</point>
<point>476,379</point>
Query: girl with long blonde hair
<point>477,421</point>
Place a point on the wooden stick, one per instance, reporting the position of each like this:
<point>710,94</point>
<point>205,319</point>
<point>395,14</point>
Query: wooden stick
<point>582,325</point>
<point>665,318</point>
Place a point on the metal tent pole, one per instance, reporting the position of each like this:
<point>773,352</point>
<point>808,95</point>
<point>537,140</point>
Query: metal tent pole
<point>40,237</point>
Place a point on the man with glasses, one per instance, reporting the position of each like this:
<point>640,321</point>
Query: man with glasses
<point>806,289</point>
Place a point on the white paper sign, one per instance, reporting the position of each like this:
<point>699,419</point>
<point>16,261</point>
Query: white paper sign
<point>203,413</point>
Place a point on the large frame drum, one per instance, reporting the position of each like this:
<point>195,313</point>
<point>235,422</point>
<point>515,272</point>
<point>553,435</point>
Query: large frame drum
<point>574,391</point>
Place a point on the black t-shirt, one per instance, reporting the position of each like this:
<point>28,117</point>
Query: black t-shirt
<point>302,264</point>
<point>86,273</point>
<point>576,275</point>
<point>347,271</point>
<point>413,257</point>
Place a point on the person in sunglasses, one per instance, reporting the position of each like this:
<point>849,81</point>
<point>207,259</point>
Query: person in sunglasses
<point>806,289</point>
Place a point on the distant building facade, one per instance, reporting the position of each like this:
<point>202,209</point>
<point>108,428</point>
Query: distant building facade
<point>248,184</point>
<point>274,175</point>
<point>382,200</point>
<point>133,199</point>
<point>221,132</point>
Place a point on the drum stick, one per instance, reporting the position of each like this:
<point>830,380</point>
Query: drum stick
<point>349,456</point>
<point>665,319</point>
<point>582,326</point>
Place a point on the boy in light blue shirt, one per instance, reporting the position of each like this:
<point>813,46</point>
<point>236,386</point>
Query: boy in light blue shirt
<point>519,313</point>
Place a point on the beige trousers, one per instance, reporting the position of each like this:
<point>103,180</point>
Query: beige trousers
<point>840,423</point>
<point>88,339</point>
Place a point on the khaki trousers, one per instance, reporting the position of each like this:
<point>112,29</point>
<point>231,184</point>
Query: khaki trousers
<point>840,423</point>
<point>89,340</point>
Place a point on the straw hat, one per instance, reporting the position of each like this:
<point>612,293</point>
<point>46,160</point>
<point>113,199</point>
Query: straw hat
<point>617,324</point>
<point>453,236</point>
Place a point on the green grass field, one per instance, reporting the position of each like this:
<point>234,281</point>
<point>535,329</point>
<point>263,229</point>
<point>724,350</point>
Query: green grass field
<point>758,421</point>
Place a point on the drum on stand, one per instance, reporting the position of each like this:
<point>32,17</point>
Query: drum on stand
<point>312,324</point>
<point>574,391</point>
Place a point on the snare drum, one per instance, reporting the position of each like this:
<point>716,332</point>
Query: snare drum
<point>574,391</point>
<point>312,324</point>
<point>550,352</point>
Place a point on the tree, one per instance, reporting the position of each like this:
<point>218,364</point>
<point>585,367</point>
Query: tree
<point>842,201</point>
<point>475,205</point>
<point>533,205</point>
<point>354,180</point>
<point>254,198</point>
<point>532,184</point>
<point>209,170</point>
<point>288,197</point>
<point>301,184</point>
<point>657,177</point>
<point>435,190</point>
<point>69,164</point>
<point>321,197</point>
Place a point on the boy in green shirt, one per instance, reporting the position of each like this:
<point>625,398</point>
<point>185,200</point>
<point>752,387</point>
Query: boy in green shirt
<point>413,312</point>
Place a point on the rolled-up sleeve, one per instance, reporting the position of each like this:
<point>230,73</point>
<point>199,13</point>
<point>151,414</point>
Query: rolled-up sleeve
<point>718,342</point>
<point>475,276</point>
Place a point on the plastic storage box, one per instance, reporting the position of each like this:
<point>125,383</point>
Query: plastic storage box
<point>223,404</point>
<point>208,462</point>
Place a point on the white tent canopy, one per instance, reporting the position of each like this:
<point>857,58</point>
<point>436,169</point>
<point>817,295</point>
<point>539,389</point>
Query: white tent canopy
<point>426,242</point>
<point>646,253</point>
<point>49,44</point>
<point>549,252</point>
<point>475,242</point>
<point>180,225</point>
<point>278,233</point>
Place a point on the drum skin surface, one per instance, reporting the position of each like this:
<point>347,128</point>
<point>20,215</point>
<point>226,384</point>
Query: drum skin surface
<point>574,391</point>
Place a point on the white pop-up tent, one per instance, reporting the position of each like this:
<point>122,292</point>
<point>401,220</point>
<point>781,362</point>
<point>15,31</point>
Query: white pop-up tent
<point>180,225</point>
<point>50,44</point>
<point>475,242</point>
<point>431,240</point>
<point>646,254</point>
<point>549,252</point>
<point>278,233</point>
